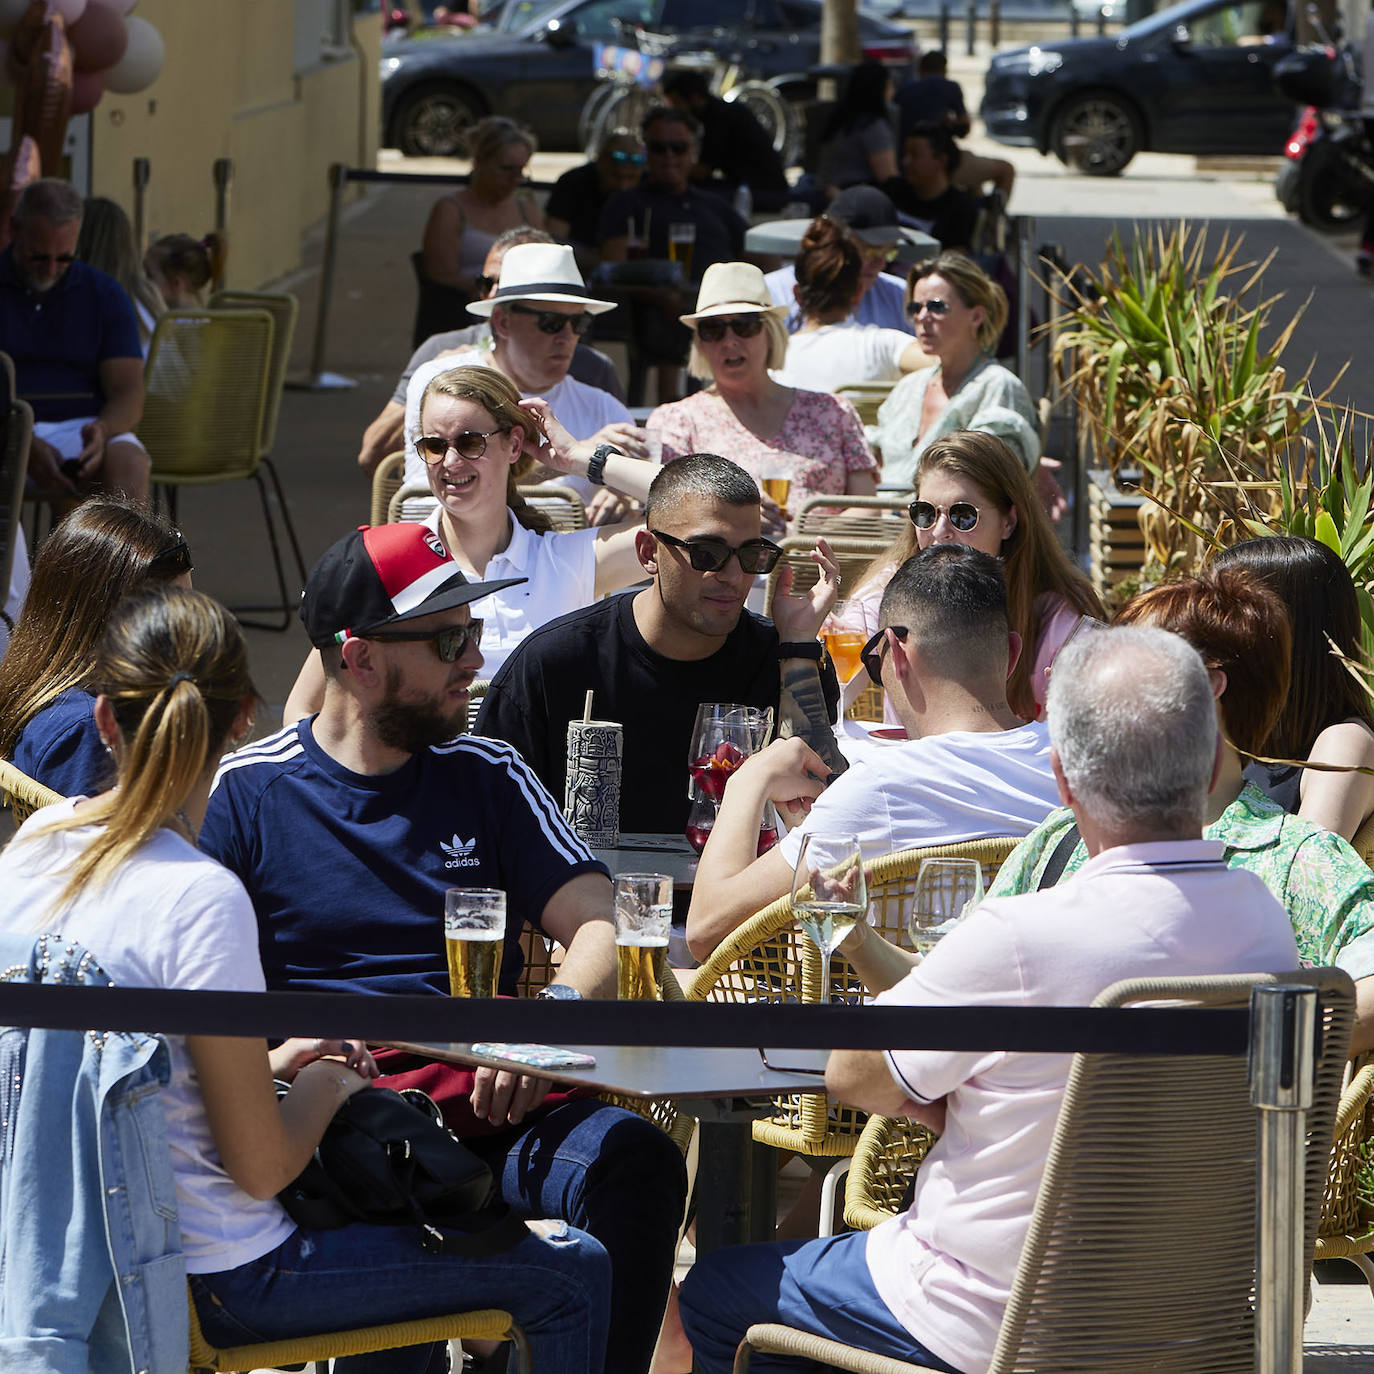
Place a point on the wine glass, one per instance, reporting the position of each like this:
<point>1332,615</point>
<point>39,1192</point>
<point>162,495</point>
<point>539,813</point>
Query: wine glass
<point>946,891</point>
<point>843,642</point>
<point>829,894</point>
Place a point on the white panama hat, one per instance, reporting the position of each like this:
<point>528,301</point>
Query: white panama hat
<point>732,288</point>
<point>540,272</point>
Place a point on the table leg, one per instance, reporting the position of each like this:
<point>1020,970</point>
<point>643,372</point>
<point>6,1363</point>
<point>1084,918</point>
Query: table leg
<point>724,1178</point>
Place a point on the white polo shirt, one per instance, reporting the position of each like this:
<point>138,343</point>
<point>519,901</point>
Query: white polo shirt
<point>561,568</point>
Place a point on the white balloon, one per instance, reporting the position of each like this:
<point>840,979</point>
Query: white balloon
<point>70,10</point>
<point>142,60</point>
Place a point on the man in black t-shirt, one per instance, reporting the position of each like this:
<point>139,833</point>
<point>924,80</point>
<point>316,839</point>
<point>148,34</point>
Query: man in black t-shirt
<point>925,194</point>
<point>652,658</point>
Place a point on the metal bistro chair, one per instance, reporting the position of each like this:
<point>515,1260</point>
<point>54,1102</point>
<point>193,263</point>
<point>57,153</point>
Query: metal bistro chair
<point>768,959</point>
<point>1141,1249</point>
<point>22,794</point>
<point>283,308</point>
<point>853,556</point>
<point>882,518</point>
<point>208,377</point>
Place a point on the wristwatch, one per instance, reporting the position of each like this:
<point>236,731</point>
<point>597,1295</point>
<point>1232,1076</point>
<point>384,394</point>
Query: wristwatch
<point>559,992</point>
<point>802,648</point>
<point>596,464</point>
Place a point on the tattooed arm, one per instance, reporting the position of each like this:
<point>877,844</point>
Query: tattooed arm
<point>803,712</point>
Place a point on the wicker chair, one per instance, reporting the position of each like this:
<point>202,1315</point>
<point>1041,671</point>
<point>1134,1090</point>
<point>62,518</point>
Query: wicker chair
<point>386,482</point>
<point>1149,1153</point>
<point>562,505</point>
<point>854,517</point>
<point>768,959</point>
<point>853,556</point>
<point>868,705</point>
<point>410,501</point>
<point>22,794</point>
<point>491,1325</point>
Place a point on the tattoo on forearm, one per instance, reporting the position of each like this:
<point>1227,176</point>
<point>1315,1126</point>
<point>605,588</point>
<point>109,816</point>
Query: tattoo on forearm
<point>801,711</point>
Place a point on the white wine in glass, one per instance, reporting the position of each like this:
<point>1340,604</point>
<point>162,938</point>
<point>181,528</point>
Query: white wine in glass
<point>946,891</point>
<point>829,894</point>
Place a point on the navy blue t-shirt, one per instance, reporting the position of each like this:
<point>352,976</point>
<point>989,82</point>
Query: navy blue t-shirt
<point>347,871</point>
<point>59,338</point>
<point>62,749</point>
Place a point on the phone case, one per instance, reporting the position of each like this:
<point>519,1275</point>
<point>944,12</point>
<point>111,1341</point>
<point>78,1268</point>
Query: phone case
<point>536,1056</point>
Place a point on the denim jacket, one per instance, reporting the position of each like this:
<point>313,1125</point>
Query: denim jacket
<point>92,1277</point>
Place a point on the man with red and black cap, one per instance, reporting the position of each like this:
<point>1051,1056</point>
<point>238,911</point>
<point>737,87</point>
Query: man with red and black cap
<point>347,827</point>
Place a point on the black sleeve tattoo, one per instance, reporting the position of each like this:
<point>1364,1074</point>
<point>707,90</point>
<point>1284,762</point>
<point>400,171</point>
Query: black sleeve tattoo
<point>802,711</point>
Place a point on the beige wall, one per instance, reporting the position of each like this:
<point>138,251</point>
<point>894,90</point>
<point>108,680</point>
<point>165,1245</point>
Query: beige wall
<point>227,89</point>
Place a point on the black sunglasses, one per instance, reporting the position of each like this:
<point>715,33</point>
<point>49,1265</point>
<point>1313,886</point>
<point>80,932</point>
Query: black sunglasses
<point>448,644</point>
<point>471,443</point>
<point>935,306</point>
<point>743,327</point>
<point>963,515</point>
<point>707,553</point>
<point>676,147</point>
<point>871,655</point>
<point>551,322</point>
<point>173,561</point>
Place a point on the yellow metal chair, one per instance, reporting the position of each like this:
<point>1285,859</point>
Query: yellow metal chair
<point>22,794</point>
<point>206,383</point>
<point>1141,1249</point>
<point>283,308</point>
<point>562,505</point>
<point>487,1325</point>
<point>852,555</point>
<point>386,482</point>
<point>881,518</point>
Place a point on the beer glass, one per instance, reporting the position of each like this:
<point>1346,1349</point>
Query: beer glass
<point>682,240</point>
<point>474,933</point>
<point>778,487</point>
<point>643,915</point>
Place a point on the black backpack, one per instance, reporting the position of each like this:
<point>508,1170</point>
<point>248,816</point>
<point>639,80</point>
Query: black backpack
<point>387,1159</point>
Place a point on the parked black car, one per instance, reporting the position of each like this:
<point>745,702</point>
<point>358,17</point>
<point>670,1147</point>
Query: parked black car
<point>1194,78</point>
<point>535,64</point>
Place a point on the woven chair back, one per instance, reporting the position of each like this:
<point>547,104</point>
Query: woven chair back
<point>868,705</point>
<point>410,501</point>
<point>866,397</point>
<point>562,505</point>
<point>881,518</point>
<point>852,555</point>
<point>206,383</point>
<point>386,482</point>
<point>283,308</point>
<point>17,420</point>
<point>22,794</point>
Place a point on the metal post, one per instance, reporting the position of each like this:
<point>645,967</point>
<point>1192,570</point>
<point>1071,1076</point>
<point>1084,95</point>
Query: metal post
<point>1023,310</point>
<point>1073,21</point>
<point>318,379</point>
<point>1102,21</point>
<point>971,22</point>
<point>1283,1029</point>
<point>142,173</point>
<point>223,174</point>
<point>944,27</point>
<point>994,22</point>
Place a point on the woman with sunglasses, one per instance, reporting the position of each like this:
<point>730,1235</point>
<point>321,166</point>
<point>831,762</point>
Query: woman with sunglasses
<point>972,489</point>
<point>812,438</point>
<point>830,348</point>
<point>958,313</point>
<point>463,225</point>
<point>103,550</point>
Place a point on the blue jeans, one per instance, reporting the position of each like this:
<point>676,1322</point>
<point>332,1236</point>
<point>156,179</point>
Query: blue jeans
<point>556,1288</point>
<point>820,1286</point>
<point>620,1179</point>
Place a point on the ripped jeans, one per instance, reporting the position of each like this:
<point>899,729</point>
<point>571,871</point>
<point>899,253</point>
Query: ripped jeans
<point>558,1289</point>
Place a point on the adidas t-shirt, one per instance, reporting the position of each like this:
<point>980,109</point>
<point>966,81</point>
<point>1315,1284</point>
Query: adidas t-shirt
<point>347,871</point>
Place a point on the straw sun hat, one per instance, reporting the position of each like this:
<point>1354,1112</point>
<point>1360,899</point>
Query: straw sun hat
<point>732,288</point>
<point>541,272</point>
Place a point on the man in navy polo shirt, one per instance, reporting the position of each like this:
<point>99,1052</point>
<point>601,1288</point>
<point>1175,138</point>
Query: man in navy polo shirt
<point>347,827</point>
<point>73,335</point>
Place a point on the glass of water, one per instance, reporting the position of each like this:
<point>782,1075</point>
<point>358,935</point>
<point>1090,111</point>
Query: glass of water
<point>946,891</point>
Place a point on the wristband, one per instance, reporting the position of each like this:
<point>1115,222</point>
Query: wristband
<point>806,648</point>
<point>596,464</point>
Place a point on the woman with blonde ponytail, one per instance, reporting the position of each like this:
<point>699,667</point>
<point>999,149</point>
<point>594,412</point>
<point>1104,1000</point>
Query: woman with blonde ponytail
<point>120,874</point>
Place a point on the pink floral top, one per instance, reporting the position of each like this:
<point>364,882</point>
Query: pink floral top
<point>820,443</point>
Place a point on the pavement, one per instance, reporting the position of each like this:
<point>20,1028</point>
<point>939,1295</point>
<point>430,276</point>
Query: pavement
<point>368,341</point>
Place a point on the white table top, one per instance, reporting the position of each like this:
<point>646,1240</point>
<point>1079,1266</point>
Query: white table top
<point>784,236</point>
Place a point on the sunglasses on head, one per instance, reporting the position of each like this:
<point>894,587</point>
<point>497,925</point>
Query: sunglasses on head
<point>471,443</point>
<point>963,515</point>
<point>675,146</point>
<point>935,306</point>
<point>742,326</point>
<point>551,322</point>
<point>625,159</point>
<point>173,561</point>
<point>707,553</point>
<point>871,655</point>
<point>448,644</point>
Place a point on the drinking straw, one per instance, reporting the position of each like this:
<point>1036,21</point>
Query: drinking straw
<point>587,710</point>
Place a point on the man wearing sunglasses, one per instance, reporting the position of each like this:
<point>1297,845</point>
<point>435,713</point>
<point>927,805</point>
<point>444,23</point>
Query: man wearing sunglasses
<point>573,211</point>
<point>968,770</point>
<point>347,828</point>
<point>653,657</point>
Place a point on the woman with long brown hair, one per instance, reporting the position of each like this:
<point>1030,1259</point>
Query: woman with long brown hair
<point>104,549</point>
<point>972,489</point>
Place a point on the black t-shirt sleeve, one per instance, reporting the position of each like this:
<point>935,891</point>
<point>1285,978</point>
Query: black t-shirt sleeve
<point>563,199</point>
<point>957,220</point>
<point>515,710</point>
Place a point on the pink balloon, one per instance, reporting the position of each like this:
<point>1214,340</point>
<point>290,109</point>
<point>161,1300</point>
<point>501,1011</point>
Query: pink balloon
<point>142,60</point>
<point>98,39</point>
<point>70,10</point>
<point>87,88</point>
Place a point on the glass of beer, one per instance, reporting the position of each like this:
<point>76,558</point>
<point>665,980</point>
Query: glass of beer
<point>643,915</point>
<point>474,932</point>
<point>777,488</point>
<point>681,240</point>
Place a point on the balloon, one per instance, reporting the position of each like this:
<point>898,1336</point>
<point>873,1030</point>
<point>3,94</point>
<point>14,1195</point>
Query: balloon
<point>120,7</point>
<point>70,10</point>
<point>98,39</point>
<point>142,59</point>
<point>87,88</point>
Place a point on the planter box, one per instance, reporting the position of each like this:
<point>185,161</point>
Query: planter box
<point>1116,543</point>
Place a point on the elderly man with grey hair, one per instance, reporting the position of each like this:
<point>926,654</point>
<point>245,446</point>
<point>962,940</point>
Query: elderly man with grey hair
<point>1135,742</point>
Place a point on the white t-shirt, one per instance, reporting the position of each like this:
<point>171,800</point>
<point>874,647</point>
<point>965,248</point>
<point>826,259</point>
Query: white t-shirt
<point>945,1266</point>
<point>170,918</point>
<point>582,409</point>
<point>964,785</point>
<point>834,355</point>
<point>561,568</point>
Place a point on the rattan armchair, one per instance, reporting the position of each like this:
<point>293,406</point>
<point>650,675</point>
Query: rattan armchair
<point>410,501</point>
<point>386,482</point>
<point>854,517</point>
<point>562,505</point>
<point>1141,1248</point>
<point>22,794</point>
<point>852,555</point>
<point>487,1325</point>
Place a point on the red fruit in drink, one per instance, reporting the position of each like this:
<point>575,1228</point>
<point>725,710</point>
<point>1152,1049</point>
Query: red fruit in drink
<point>697,835</point>
<point>768,837</point>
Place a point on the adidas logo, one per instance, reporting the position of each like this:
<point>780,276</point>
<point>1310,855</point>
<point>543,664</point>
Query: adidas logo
<point>460,853</point>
